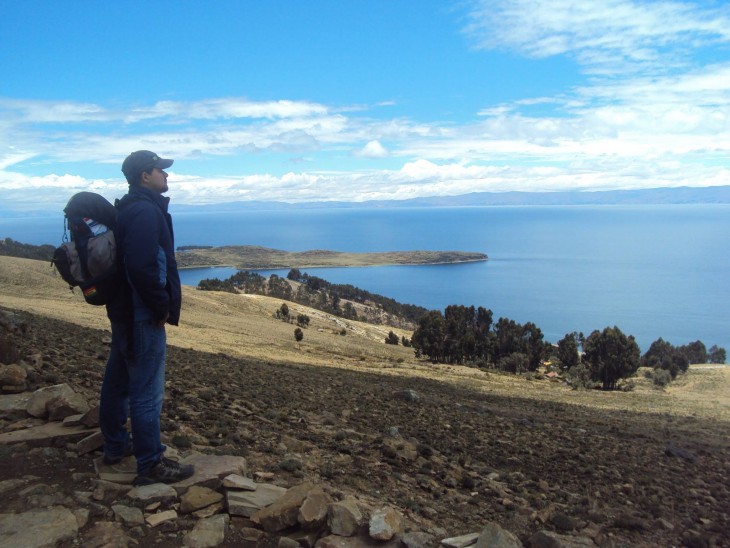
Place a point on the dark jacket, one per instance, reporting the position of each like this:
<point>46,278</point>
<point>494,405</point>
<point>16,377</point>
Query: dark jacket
<point>146,247</point>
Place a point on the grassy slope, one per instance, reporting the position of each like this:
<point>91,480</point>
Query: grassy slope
<point>245,326</point>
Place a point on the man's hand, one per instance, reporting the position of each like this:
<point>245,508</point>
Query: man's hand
<point>163,321</point>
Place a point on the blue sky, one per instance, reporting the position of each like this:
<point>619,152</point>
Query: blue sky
<point>353,100</point>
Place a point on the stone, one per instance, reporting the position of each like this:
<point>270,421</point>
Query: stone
<point>40,527</point>
<point>13,375</point>
<point>247,503</point>
<point>207,532</point>
<point>235,481</point>
<point>72,420</point>
<point>44,435</point>
<point>418,539</point>
<point>105,534</point>
<point>210,468</point>
<point>211,510</point>
<point>344,517</point>
<point>385,523</point>
<point>157,492</point>
<point>65,405</point>
<point>493,536</point>
<point>129,515</point>
<point>336,541</point>
<point>38,402</point>
<point>548,539</point>
<point>82,516</point>
<point>10,484</point>
<point>91,417</point>
<point>90,443</point>
<point>198,497</point>
<point>161,517</point>
<point>461,541</point>
<point>313,511</point>
<point>284,511</point>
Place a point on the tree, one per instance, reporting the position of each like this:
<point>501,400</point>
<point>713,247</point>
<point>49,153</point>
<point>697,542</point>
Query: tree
<point>302,320</point>
<point>298,335</point>
<point>611,356</point>
<point>695,352</point>
<point>568,351</point>
<point>392,338</point>
<point>428,339</point>
<point>284,311</point>
<point>717,354</point>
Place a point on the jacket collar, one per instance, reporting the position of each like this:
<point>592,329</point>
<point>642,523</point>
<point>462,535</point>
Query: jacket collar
<point>140,192</point>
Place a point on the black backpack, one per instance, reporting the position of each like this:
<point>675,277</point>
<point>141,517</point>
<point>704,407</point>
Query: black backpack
<point>89,260</point>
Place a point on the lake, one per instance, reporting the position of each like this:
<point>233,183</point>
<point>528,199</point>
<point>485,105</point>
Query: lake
<point>653,271</point>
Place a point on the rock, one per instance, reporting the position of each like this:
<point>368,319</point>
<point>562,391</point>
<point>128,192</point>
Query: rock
<point>285,542</point>
<point>211,510</point>
<point>157,492</point>
<point>493,536</point>
<point>46,434</point>
<point>344,517</point>
<point>64,405</point>
<point>284,511</point>
<point>105,534</point>
<point>91,417</point>
<point>13,375</point>
<point>336,541</point>
<point>42,527</point>
<point>630,523</point>
<point>313,511</point>
<point>72,420</point>
<point>247,503</point>
<point>13,406</point>
<point>198,497</point>
<point>407,395</point>
<point>385,523</point>
<point>161,517</point>
<point>209,468</point>
<point>10,484</point>
<point>235,481</point>
<point>207,532</point>
<point>460,541</point>
<point>418,539</point>
<point>128,515</point>
<point>548,539</point>
<point>38,402</point>
<point>90,443</point>
<point>564,522</point>
<point>674,451</point>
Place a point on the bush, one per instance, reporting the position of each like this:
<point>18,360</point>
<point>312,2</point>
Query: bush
<point>661,377</point>
<point>579,377</point>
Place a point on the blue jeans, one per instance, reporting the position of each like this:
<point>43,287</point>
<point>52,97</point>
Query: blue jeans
<point>134,383</point>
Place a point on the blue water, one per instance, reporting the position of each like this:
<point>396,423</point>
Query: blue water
<point>654,271</point>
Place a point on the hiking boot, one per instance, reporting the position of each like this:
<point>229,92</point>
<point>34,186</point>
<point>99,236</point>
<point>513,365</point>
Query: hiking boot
<point>116,459</point>
<point>166,471</point>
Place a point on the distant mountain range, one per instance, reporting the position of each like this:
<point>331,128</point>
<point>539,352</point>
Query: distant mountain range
<point>652,196</point>
<point>680,195</point>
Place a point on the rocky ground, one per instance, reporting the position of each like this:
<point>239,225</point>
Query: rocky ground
<point>446,459</point>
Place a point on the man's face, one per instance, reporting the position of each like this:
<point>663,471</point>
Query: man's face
<point>156,180</point>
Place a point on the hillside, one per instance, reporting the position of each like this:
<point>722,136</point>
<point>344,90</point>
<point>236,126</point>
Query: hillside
<point>251,257</point>
<point>451,447</point>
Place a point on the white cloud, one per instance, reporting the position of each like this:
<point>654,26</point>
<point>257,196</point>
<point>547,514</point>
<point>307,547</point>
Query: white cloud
<point>606,36</point>
<point>373,149</point>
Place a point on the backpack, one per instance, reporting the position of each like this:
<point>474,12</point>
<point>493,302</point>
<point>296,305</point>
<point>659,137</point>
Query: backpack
<point>89,260</point>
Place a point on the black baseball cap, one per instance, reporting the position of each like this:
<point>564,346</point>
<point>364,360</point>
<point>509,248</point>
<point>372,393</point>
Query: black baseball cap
<point>142,160</point>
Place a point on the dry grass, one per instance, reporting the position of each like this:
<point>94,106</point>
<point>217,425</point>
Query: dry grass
<point>246,326</point>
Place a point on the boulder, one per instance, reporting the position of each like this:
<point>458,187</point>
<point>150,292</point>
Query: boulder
<point>40,527</point>
<point>493,536</point>
<point>207,532</point>
<point>284,511</point>
<point>344,517</point>
<point>198,497</point>
<point>385,523</point>
<point>247,503</point>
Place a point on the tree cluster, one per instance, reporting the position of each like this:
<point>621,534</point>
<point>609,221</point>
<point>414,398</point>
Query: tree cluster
<point>467,335</point>
<point>677,359</point>
<point>11,248</point>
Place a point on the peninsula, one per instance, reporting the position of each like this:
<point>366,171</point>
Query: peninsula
<point>248,257</point>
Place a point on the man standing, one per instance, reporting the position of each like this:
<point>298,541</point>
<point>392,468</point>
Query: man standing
<point>134,379</point>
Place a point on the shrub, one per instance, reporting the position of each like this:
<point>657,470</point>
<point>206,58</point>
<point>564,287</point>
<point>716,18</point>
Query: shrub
<point>579,377</point>
<point>661,377</point>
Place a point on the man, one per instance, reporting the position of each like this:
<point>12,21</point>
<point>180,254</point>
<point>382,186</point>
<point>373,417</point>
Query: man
<point>134,379</point>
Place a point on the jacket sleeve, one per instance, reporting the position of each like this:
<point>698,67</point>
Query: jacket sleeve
<point>144,259</point>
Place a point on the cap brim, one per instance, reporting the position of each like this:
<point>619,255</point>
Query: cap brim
<point>163,163</point>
